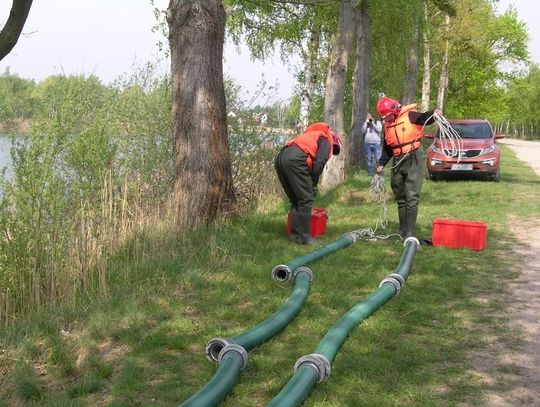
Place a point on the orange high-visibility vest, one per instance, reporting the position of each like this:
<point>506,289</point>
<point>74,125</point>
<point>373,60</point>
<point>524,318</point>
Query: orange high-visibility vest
<point>402,135</point>
<point>307,141</point>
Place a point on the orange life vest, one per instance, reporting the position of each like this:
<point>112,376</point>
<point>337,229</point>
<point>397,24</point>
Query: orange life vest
<point>307,141</point>
<point>402,135</point>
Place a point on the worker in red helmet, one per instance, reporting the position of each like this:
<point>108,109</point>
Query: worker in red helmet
<point>403,132</point>
<point>299,166</point>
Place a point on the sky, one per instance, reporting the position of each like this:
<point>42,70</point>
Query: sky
<point>108,38</point>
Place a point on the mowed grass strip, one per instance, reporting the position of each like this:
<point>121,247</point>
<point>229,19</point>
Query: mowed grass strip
<point>143,343</point>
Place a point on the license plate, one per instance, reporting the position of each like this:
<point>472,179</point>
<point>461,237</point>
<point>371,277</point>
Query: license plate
<point>462,167</point>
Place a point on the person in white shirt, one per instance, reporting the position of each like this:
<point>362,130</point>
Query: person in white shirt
<point>371,130</point>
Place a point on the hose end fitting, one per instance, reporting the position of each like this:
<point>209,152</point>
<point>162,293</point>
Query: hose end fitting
<point>319,362</point>
<point>214,348</point>
<point>351,236</point>
<point>396,280</point>
<point>303,269</point>
<point>412,239</point>
<point>233,347</point>
<point>282,273</point>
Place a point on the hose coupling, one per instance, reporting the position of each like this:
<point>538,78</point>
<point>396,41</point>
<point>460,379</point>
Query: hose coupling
<point>282,273</point>
<point>319,362</point>
<point>214,347</point>
<point>412,239</point>
<point>303,269</point>
<point>396,280</point>
<point>233,347</point>
<point>353,237</point>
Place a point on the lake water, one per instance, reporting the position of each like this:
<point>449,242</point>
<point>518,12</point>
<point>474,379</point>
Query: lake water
<point>5,158</point>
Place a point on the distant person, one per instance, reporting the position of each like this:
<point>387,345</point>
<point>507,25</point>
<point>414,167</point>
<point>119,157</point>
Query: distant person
<point>403,132</point>
<point>299,165</point>
<point>371,130</point>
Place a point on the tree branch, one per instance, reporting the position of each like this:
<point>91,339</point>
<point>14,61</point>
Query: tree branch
<point>12,29</point>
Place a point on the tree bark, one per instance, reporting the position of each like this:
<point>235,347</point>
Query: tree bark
<point>334,100</point>
<point>411,74</point>
<point>203,176</point>
<point>426,76</point>
<point>12,30</point>
<point>310,79</point>
<point>360,100</point>
<point>443,79</point>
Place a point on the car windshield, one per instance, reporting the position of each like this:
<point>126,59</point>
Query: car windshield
<point>472,130</point>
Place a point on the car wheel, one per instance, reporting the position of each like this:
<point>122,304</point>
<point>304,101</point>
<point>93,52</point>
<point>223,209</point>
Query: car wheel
<point>497,176</point>
<point>431,176</point>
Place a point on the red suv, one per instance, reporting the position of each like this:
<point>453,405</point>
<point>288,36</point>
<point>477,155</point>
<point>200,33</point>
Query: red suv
<point>478,153</point>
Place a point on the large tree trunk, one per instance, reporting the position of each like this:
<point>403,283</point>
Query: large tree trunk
<point>203,176</point>
<point>310,78</point>
<point>411,74</point>
<point>360,91</point>
<point>443,79</point>
<point>12,29</point>
<point>334,99</point>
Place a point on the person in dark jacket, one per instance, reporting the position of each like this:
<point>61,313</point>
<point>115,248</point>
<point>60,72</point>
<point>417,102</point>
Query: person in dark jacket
<point>403,132</point>
<point>299,166</point>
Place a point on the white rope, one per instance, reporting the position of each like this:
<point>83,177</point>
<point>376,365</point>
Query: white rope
<point>451,141</point>
<point>377,191</point>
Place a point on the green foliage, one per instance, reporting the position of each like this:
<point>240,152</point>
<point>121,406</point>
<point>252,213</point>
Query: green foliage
<point>97,159</point>
<point>16,100</point>
<point>521,117</point>
<point>482,43</point>
<point>392,25</point>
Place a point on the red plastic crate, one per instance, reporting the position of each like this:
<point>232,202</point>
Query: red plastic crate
<point>319,217</point>
<point>459,234</point>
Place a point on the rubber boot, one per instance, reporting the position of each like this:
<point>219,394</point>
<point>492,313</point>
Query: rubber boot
<point>403,223</point>
<point>411,221</point>
<point>304,226</point>
<point>294,224</point>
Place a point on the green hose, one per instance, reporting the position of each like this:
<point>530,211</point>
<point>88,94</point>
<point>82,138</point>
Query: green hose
<point>284,272</point>
<point>232,353</point>
<point>273,324</point>
<point>221,383</point>
<point>316,367</point>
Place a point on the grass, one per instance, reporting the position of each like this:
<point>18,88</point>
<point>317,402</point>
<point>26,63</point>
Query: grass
<point>144,343</point>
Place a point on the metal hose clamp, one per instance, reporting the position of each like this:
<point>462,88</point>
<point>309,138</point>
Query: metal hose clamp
<point>303,269</point>
<point>414,239</point>
<point>319,362</point>
<point>214,347</point>
<point>282,272</point>
<point>233,347</point>
<point>394,281</point>
<point>351,236</point>
<point>399,278</point>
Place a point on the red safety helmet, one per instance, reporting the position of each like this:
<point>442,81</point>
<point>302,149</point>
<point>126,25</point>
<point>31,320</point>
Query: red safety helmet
<point>336,143</point>
<point>387,106</point>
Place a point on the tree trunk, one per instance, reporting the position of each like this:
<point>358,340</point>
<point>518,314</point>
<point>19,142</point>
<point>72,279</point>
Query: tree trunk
<point>411,74</point>
<point>334,100</point>
<point>426,77</point>
<point>443,79</point>
<point>203,176</point>
<point>310,80</point>
<point>360,91</point>
<point>12,29</point>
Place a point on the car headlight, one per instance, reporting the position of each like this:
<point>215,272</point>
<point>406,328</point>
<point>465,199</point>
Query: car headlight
<point>436,149</point>
<point>488,150</point>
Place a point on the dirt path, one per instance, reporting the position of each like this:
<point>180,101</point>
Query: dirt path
<point>514,373</point>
